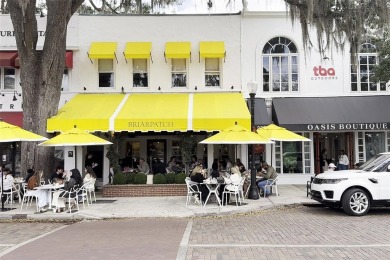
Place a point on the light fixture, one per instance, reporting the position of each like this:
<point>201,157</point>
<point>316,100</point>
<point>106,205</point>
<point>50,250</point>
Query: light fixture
<point>85,88</point>
<point>210,4</point>
<point>325,58</point>
<point>196,88</point>
<point>42,14</point>
<point>16,94</point>
<point>159,88</point>
<point>123,90</point>
<point>253,190</point>
<point>232,88</point>
<point>3,94</point>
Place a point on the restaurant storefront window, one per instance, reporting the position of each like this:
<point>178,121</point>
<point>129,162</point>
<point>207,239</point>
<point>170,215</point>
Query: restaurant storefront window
<point>292,157</point>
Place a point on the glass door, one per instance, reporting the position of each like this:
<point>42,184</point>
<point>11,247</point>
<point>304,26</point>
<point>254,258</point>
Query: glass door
<point>157,150</point>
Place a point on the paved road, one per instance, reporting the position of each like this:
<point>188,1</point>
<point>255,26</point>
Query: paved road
<point>287,233</point>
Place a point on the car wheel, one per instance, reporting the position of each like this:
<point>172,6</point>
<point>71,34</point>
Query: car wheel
<point>356,202</point>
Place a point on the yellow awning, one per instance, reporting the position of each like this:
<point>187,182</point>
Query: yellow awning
<point>102,50</point>
<point>217,111</point>
<point>177,50</point>
<point>212,49</point>
<point>137,50</point>
<point>90,112</point>
<point>153,112</point>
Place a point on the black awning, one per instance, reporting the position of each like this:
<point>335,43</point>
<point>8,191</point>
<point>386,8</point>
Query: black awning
<point>332,113</point>
<point>262,117</point>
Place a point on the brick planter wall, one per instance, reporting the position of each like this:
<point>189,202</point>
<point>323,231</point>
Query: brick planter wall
<point>147,190</point>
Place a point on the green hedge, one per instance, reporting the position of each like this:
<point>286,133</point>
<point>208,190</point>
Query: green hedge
<point>171,177</point>
<point>130,178</point>
<point>180,178</point>
<point>159,179</point>
<point>119,179</point>
<point>140,178</point>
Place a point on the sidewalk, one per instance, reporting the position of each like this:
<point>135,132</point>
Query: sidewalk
<point>111,208</point>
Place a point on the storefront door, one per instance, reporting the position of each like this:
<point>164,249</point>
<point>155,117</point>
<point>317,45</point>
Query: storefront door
<point>333,143</point>
<point>157,149</point>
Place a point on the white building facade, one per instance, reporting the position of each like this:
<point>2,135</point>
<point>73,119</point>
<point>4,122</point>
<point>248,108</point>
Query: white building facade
<point>161,78</point>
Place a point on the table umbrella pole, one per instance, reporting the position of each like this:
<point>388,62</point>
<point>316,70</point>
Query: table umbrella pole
<point>2,188</point>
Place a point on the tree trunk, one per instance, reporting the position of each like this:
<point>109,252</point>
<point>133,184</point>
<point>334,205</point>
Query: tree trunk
<point>41,71</point>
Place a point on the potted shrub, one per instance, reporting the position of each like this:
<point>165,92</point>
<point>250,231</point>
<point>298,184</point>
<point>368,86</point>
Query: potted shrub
<point>159,179</point>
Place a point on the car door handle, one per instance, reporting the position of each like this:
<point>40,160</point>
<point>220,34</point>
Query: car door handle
<point>373,180</point>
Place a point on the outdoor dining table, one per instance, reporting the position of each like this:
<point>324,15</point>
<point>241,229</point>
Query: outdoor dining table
<point>213,189</point>
<point>50,187</point>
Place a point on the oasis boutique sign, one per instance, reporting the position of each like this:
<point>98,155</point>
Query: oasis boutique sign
<point>348,127</point>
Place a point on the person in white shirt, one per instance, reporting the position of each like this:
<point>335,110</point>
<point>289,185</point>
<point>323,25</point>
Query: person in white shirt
<point>8,180</point>
<point>343,161</point>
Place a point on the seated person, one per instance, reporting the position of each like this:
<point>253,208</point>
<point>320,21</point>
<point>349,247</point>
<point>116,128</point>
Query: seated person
<point>30,173</point>
<point>143,166</point>
<point>197,175</point>
<point>58,175</point>
<point>89,174</point>
<point>269,174</point>
<point>232,181</point>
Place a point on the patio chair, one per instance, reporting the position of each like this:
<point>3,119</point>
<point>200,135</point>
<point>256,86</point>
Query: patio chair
<point>236,190</point>
<point>192,191</point>
<point>66,197</point>
<point>10,194</point>
<point>272,187</point>
<point>91,189</point>
<point>82,193</point>
<point>28,196</point>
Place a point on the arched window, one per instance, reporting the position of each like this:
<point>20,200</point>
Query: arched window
<point>280,65</point>
<point>361,73</point>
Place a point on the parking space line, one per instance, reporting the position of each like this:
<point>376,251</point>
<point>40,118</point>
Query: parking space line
<point>285,246</point>
<point>182,252</point>
<point>15,246</point>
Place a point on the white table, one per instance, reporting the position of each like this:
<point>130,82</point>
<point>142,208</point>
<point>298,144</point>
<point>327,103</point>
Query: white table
<point>50,187</point>
<point>213,189</point>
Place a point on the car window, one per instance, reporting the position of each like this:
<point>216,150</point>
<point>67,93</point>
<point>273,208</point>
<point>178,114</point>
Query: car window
<point>377,163</point>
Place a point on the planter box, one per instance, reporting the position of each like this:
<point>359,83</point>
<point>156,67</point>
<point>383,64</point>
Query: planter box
<point>145,190</point>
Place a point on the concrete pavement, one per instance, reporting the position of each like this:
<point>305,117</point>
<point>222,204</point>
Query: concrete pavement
<point>111,208</point>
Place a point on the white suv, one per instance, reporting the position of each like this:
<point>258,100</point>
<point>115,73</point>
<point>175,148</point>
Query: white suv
<point>355,190</point>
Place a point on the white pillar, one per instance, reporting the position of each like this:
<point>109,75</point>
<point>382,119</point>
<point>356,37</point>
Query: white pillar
<point>106,165</point>
<point>210,155</point>
<point>69,158</point>
<point>243,155</point>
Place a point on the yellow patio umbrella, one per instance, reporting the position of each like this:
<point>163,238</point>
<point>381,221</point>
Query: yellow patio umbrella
<point>75,137</point>
<point>236,135</point>
<point>12,133</point>
<point>277,133</point>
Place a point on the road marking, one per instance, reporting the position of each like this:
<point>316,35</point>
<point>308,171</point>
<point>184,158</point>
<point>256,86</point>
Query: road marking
<point>182,252</point>
<point>29,241</point>
<point>7,244</point>
<point>285,246</point>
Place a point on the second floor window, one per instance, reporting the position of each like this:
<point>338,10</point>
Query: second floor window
<point>280,66</point>
<point>140,73</point>
<point>362,73</point>
<point>106,73</point>
<point>212,72</point>
<point>179,73</point>
<point>7,78</point>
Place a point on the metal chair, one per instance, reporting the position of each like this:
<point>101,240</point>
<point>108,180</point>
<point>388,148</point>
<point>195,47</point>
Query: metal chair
<point>28,196</point>
<point>272,187</point>
<point>236,190</point>
<point>192,191</point>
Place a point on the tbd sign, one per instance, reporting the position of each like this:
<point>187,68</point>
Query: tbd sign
<point>321,73</point>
